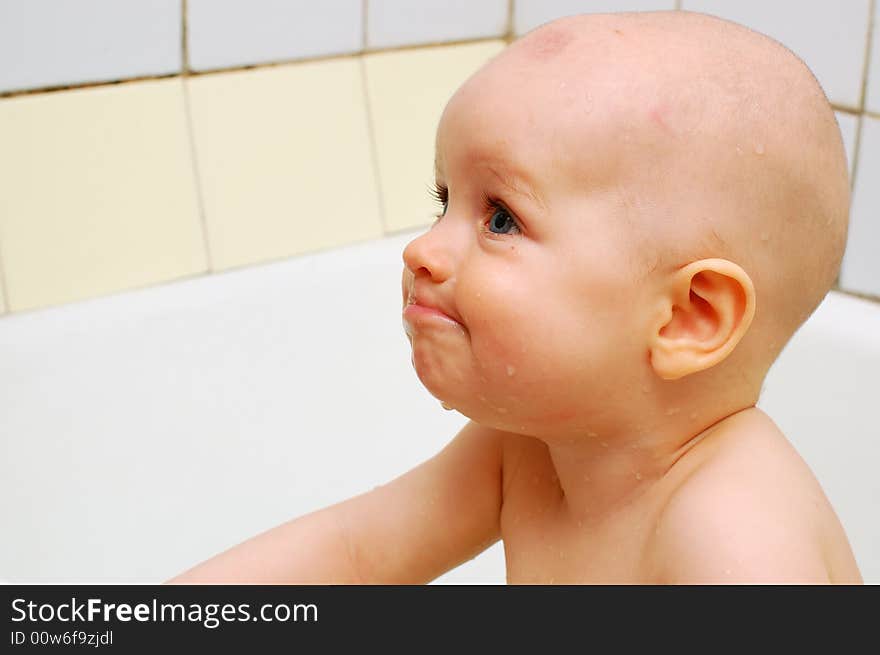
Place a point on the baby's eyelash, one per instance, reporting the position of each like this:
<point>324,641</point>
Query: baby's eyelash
<point>441,195</point>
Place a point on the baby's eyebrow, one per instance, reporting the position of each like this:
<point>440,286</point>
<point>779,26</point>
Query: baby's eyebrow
<point>516,183</point>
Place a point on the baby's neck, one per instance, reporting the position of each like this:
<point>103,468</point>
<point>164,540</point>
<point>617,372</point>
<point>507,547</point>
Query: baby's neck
<point>598,474</point>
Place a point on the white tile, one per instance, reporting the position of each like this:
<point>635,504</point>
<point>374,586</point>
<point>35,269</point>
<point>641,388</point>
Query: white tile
<point>860,271</point>
<point>408,22</point>
<point>528,14</point>
<point>228,33</point>
<point>49,43</point>
<point>849,125</point>
<point>830,37</point>
<point>872,101</point>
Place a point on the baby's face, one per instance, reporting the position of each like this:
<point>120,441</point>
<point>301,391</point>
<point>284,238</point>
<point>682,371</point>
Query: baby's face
<point>530,258</point>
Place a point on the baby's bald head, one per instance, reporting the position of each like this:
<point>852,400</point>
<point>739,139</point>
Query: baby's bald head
<point>717,141</point>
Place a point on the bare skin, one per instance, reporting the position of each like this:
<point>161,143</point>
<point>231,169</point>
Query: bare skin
<point>615,268</point>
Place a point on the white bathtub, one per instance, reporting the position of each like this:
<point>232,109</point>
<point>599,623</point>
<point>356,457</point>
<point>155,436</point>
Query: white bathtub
<point>146,431</point>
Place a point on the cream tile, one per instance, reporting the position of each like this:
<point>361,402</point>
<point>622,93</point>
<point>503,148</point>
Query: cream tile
<point>407,92</point>
<point>284,159</point>
<point>98,193</point>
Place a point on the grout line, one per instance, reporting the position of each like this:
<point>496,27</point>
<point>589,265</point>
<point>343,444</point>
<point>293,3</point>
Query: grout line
<point>866,64</point>
<point>845,110</point>
<point>5,306</point>
<point>856,154</point>
<point>246,67</point>
<point>200,199</point>
<point>374,151</point>
<point>857,294</point>
<point>184,38</point>
<point>508,31</point>
<point>4,95</point>
<point>364,26</point>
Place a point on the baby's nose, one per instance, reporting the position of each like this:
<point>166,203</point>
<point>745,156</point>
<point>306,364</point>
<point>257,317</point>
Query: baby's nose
<point>430,256</point>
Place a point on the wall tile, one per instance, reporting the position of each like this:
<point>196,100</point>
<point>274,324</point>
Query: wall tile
<point>872,101</point>
<point>227,33</point>
<point>849,125</point>
<point>284,159</point>
<point>831,37</point>
<point>98,193</point>
<point>407,92</point>
<point>861,267</point>
<point>49,43</point>
<point>529,14</point>
<point>407,22</point>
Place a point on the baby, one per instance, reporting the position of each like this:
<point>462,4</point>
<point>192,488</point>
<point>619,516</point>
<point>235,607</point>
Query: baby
<point>637,213</point>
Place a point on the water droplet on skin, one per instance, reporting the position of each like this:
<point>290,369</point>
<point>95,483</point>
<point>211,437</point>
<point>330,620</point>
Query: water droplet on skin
<point>445,406</point>
<point>759,149</point>
<point>502,410</point>
<point>511,371</point>
<point>646,389</point>
<point>592,434</point>
<point>638,476</point>
<point>672,410</point>
<point>693,415</point>
<point>588,103</point>
<point>604,444</point>
<point>765,236</point>
<point>739,150</point>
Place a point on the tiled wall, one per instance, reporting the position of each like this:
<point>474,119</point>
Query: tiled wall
<point>279,127</point>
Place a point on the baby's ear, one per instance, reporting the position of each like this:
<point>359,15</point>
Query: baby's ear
<point>706,310</point>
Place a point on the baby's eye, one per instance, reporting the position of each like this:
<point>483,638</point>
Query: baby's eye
<point>500,219</point>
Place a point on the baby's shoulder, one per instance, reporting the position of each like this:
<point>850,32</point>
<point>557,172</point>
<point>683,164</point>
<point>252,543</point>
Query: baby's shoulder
<point>746,508</point>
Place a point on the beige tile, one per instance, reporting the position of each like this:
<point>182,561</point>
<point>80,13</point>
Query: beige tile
<point>284,158</point>
<point>407,91</point>
<point>98,193</point>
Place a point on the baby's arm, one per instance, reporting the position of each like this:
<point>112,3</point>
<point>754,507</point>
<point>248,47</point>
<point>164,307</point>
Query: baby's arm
<point>409,531</point>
